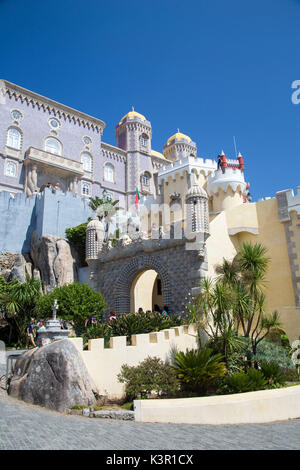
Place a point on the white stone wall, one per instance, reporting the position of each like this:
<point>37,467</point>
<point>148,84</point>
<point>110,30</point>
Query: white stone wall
<point>104,364</point>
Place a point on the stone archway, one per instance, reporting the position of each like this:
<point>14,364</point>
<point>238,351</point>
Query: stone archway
<point>128,274</point>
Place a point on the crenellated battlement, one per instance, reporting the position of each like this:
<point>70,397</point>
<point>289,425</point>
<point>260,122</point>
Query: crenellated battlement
<point>288,202</point>
<point>104,364</point>
<point>189,165</point>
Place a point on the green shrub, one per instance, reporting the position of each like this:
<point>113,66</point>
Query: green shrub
<point>127,406</point>
<point>76,303</point>
<point>273,353</point>
<point>132,324</point>
<point>76,237</point>
<point>197,370</point>
<point>290,375</point>
<point>249,381</point>
<point>285,342</point>
<point>150,376</point>
<point>272,373</point>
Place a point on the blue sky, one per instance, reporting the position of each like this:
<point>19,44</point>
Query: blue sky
<point>212,68</point>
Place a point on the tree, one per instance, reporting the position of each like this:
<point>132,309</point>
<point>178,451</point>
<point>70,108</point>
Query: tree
<point>236,299</point>
<point>17,303</point>
<point>76,303</point>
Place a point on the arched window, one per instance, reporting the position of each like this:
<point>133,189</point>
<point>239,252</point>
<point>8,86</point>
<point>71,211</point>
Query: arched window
<point>11,169</point>
<point>86,189</point>
<point>144,140</point>
<point>14,138</point>
<point>145,179</point>
<point>86,161</point>
<point>53,145</point>
<point>109,172</point>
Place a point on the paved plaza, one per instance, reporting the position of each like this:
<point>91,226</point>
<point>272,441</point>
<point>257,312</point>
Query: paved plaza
<point>24,426</point>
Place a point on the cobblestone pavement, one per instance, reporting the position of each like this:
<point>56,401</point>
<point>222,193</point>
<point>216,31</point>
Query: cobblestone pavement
<point>24,426</point>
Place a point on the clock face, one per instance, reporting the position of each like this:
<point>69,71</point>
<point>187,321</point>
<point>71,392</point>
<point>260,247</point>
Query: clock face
<point>16,115</point>
<point>54,123</point>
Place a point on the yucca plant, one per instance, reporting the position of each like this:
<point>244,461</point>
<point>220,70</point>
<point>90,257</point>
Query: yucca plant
<point>196,370</point>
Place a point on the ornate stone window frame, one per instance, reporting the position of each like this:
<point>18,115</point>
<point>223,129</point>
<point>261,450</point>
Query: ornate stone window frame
<point>16,121</point>
<point>87,146</point>
<point>52,118</point>
<point>146,186</point>
<point>13,126</point>
<point>109,164</point>
<point>55,138</point>
<point>89,172</point>
<point>86,184</point>
<point>7,162</point>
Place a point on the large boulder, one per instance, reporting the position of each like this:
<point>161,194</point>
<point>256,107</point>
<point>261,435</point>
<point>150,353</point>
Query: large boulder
<point>55,259</point>
<point>53,376</point>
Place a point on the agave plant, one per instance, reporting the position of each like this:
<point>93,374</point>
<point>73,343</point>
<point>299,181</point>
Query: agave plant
<point>196,370</point>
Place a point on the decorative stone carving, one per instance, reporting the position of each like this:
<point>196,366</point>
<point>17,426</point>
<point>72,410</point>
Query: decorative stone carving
<point>95,234</point>
<point>197,210</point>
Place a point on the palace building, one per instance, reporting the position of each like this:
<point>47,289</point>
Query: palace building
<point>53,159</point>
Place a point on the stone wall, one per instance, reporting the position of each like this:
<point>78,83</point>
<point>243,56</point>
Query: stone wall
<point>179,268</point>
<point>49,213</point>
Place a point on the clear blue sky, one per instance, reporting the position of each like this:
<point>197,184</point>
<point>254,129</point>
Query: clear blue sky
<point>213,68</point>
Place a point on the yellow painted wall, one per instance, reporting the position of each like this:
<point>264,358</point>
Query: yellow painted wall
<point>219,245</point>
<point>279,287</point>
<point>223,201</point>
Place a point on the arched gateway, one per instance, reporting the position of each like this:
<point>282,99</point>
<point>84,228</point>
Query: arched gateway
<point>179,262</point>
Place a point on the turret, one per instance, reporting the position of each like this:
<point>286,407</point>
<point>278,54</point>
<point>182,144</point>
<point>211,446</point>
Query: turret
<point>226,186</point>
<point>197,211</point>
<point>179,146</point>
<point>94,239</point>
<point>134,133</point>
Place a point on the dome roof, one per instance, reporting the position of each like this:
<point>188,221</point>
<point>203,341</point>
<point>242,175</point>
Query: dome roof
<point>179,136</point>
<point>196,191</point>
<point>95,224</point>
<point>132,115</point>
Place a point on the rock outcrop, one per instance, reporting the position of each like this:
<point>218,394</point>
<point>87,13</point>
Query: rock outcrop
<point>53,376</point>
<point>15,266</point>
<point>55,260</point>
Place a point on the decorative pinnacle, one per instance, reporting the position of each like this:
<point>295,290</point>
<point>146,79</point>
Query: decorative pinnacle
<point>222,153</point>
<point>132,108</point>
<point>239,155</point>
<point>177,129</point>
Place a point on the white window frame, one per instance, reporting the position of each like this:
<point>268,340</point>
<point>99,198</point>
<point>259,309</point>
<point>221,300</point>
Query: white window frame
<point>90,140</point>
<point>88,185</point>
<point>10,139</point>
<point>49,151</point>
<point>54,119</point>
<point>18,111</point>
<point>109,177</point>
<point>91,162</point>
<point>144,141</point>
<point>7,164</point>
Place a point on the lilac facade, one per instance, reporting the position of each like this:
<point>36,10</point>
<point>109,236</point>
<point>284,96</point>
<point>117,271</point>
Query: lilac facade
<point>47,144</point>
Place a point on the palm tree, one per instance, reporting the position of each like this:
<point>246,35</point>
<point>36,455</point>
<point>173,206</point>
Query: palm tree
<point>105,209</point>
<point>236,299</point>
<point>19,301</point>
